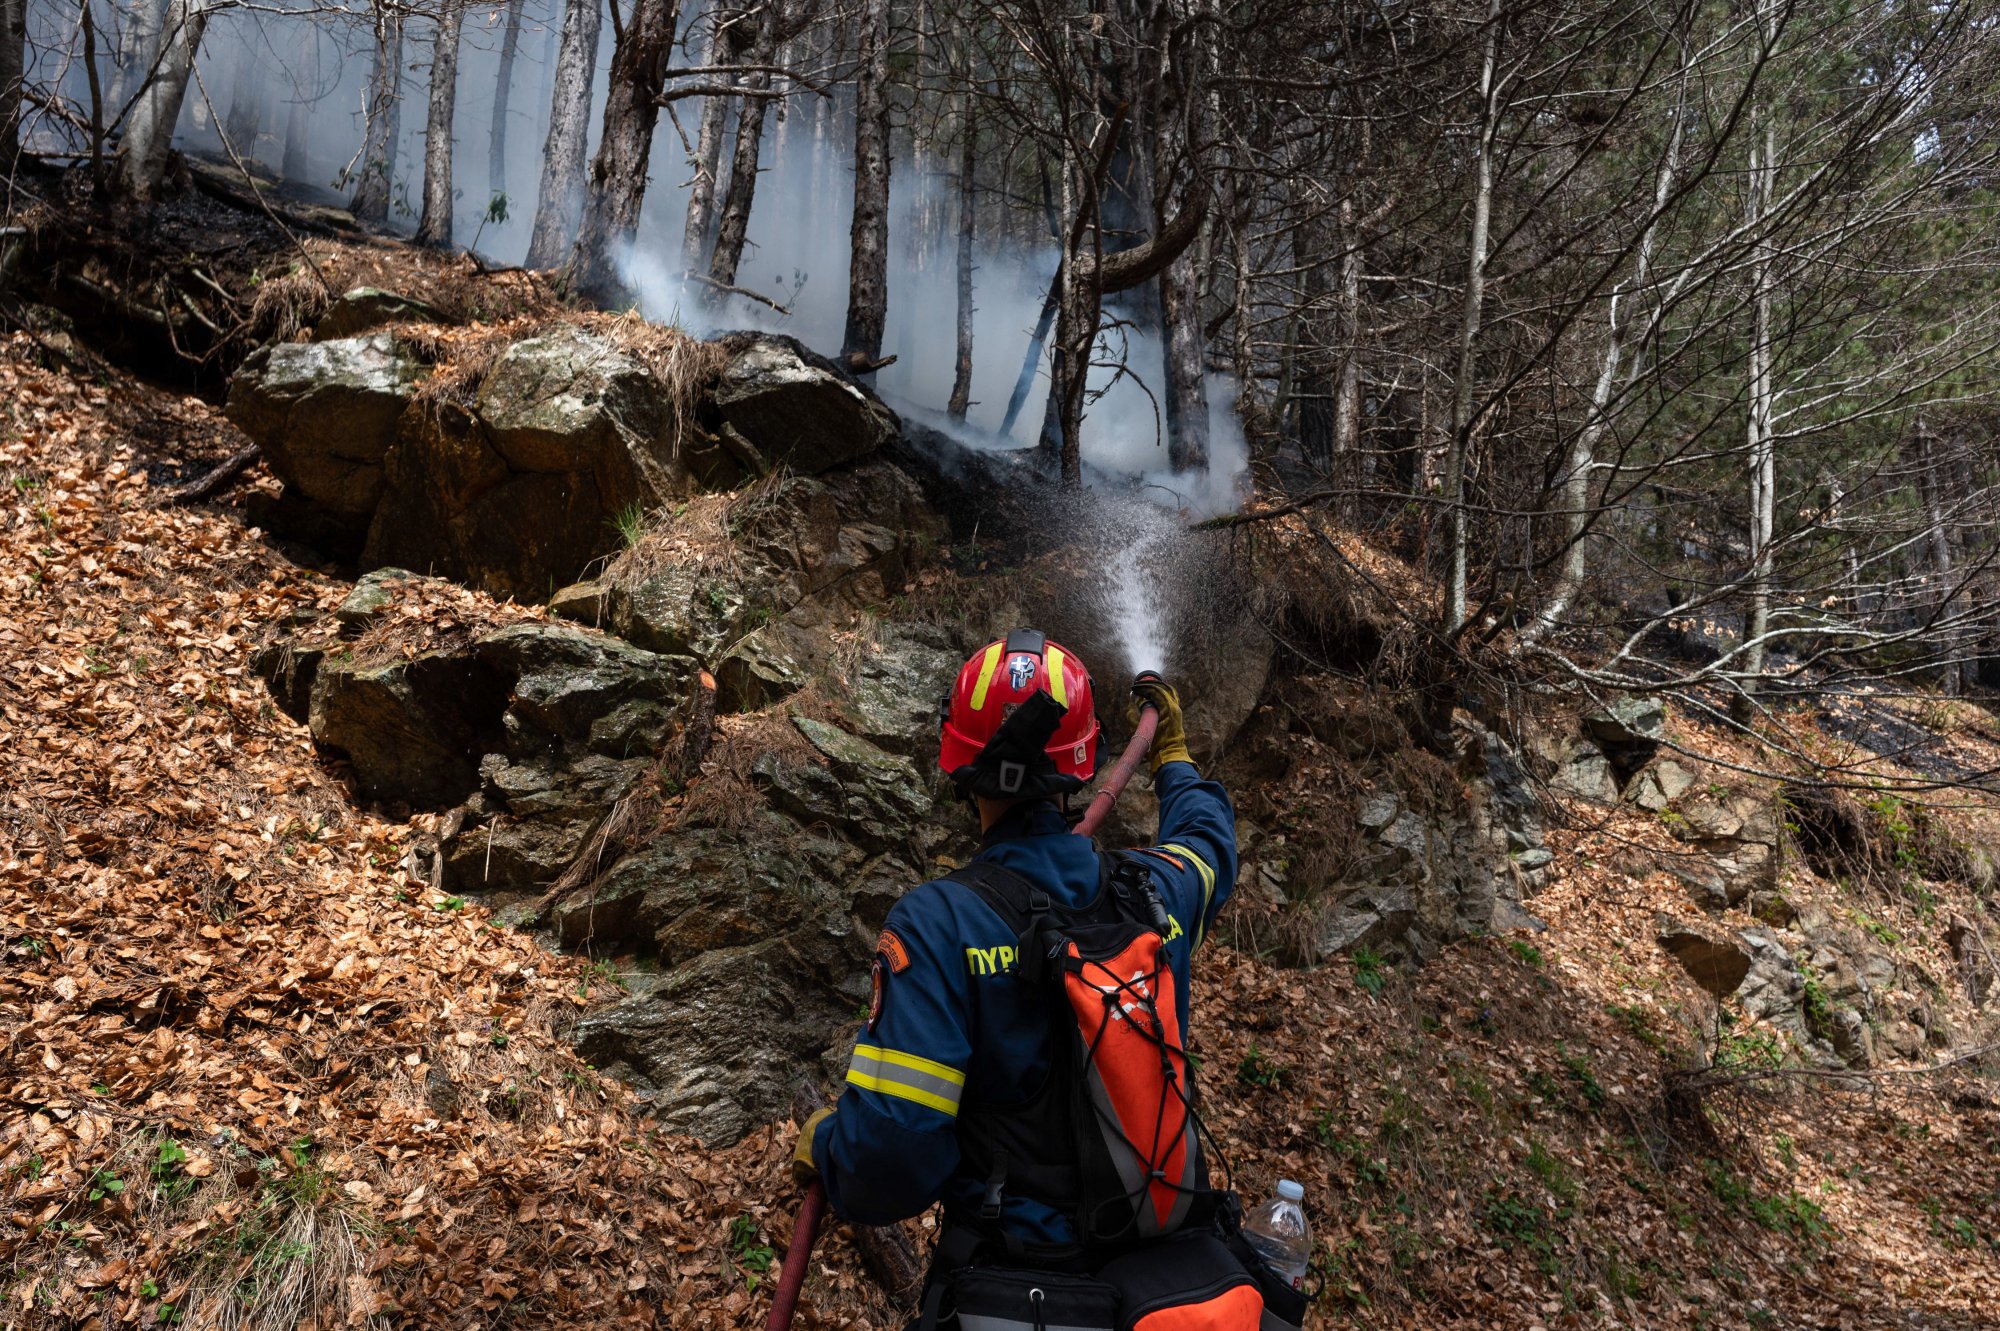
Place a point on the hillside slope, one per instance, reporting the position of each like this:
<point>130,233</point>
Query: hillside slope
<point>256,1074</point>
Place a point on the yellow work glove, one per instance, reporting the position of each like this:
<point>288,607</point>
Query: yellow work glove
<point>1170,740</point>
<point>804,1171</point>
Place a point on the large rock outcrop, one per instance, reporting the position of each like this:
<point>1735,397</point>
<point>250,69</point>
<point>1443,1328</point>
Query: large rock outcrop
<point>517,477</point>
<point>326,414</point>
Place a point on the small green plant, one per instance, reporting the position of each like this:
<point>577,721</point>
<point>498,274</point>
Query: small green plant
<point>1792,1213</point>
<point>1545,1166</point>
<point>104,1183</point>
<point>169,1175</point>
<point>630,523</point>
<point>499,1039</point>
<point>1370,971</point>
<point>449,903</point>
<point>1585,1078</point>
<point>1258,1072</point>
<point>751,1258</point>
<point>600,969</point>
<point>1730,1190</point>
<point>1525,952</point>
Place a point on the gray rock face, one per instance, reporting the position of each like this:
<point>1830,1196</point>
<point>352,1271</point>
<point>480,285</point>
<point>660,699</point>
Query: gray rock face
<point>1772,989</point>
<point>366,308</point>
<point>1423,874</point>
<point>370,597</point>
<point>326,414</point>
<point>1631,719</point>
<point>1736,836</point>
<point>797,408</point>
<point>1586,773</point>
<point>1716,962</point>
<point>518,494</point>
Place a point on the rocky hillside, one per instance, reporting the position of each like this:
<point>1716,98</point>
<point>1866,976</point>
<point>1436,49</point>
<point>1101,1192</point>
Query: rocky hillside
<point>429,868</point>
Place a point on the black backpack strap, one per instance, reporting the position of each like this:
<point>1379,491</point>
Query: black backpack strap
<point>1014,897</point>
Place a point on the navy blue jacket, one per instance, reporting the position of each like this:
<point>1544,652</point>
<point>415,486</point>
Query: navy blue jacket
<point>951,1027</point>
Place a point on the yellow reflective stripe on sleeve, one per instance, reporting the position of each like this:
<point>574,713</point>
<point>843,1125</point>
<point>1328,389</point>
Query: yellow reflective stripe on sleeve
<point>1207,886</point>
<point>986,669</point>
<point>1053,660</point>
<point>907,1077</point>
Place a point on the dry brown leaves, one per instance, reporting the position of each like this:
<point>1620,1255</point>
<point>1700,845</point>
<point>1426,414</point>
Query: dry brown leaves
<point>250,1074</point>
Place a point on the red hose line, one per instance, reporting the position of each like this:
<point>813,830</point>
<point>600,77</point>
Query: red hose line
<point>1121,772</point>
<point>792,1277</point>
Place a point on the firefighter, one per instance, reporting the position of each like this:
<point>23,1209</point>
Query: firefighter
<point>942,1097</point>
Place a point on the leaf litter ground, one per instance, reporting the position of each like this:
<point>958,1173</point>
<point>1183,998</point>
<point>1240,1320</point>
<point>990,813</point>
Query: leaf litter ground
<point>252,1074</point>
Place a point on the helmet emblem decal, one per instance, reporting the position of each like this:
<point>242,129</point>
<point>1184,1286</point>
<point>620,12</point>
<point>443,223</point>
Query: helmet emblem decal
<point>1021,671</point>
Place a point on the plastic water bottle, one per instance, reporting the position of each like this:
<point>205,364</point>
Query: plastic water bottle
<point>1280,1234</point>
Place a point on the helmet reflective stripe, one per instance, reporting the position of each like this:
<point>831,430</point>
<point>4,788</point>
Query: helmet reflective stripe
<point>1058,688</point>
<point>986,669</point>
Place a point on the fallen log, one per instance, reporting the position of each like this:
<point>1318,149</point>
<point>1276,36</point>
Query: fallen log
<point>216,478</point>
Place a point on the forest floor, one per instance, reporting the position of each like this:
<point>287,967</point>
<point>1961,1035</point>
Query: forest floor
<point>253,1074</point>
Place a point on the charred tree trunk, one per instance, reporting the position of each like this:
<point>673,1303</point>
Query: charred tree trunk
<point>296,164</point>
<point>149,130</point>
<point>434,229</point>
<point>503,97</point>
<point>559,202</point>
<point>618,175</point>
<point>751,112</point>
<point>868,271</point>
<point>378,146</point>
<point>968,208</point>
<point>1187,379</point>
<point>13,55</point>
<point>707,153</point>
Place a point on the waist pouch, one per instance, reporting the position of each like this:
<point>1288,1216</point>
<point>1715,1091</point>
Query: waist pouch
<point>994,1298</point>
<point>1191,1282</point>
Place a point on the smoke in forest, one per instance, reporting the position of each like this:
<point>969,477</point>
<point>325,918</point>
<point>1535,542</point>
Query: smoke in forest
<point>798,256</point>
<point>290,96</point>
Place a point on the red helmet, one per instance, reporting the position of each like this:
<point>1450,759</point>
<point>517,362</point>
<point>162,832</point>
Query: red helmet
<point>991,687</point>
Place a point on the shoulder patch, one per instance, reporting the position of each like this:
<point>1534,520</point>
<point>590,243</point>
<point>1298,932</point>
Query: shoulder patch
<point>892,950</point>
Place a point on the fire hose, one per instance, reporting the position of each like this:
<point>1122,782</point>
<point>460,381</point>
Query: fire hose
<point>812,1211</point>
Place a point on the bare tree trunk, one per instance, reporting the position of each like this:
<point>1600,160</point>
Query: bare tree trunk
<point>246,105</point>
<point>559,203</point>
<point>1575,487</point>
<point>503,97</point>
<point>298,122</point>
<point>1938,537</point>
<point>968,208</point>
<point>1350,467</point>
<point>137,46</point>
<point>13,54</point>
<point>868,272</point>
<point>707,154</point>
<point>1468,337</point>
<point>1763,455</point>
<point>149,130</point>
<point>751,113</point>
<point>618,175</point>
<point>434,229</point>
<point>385,98</point>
